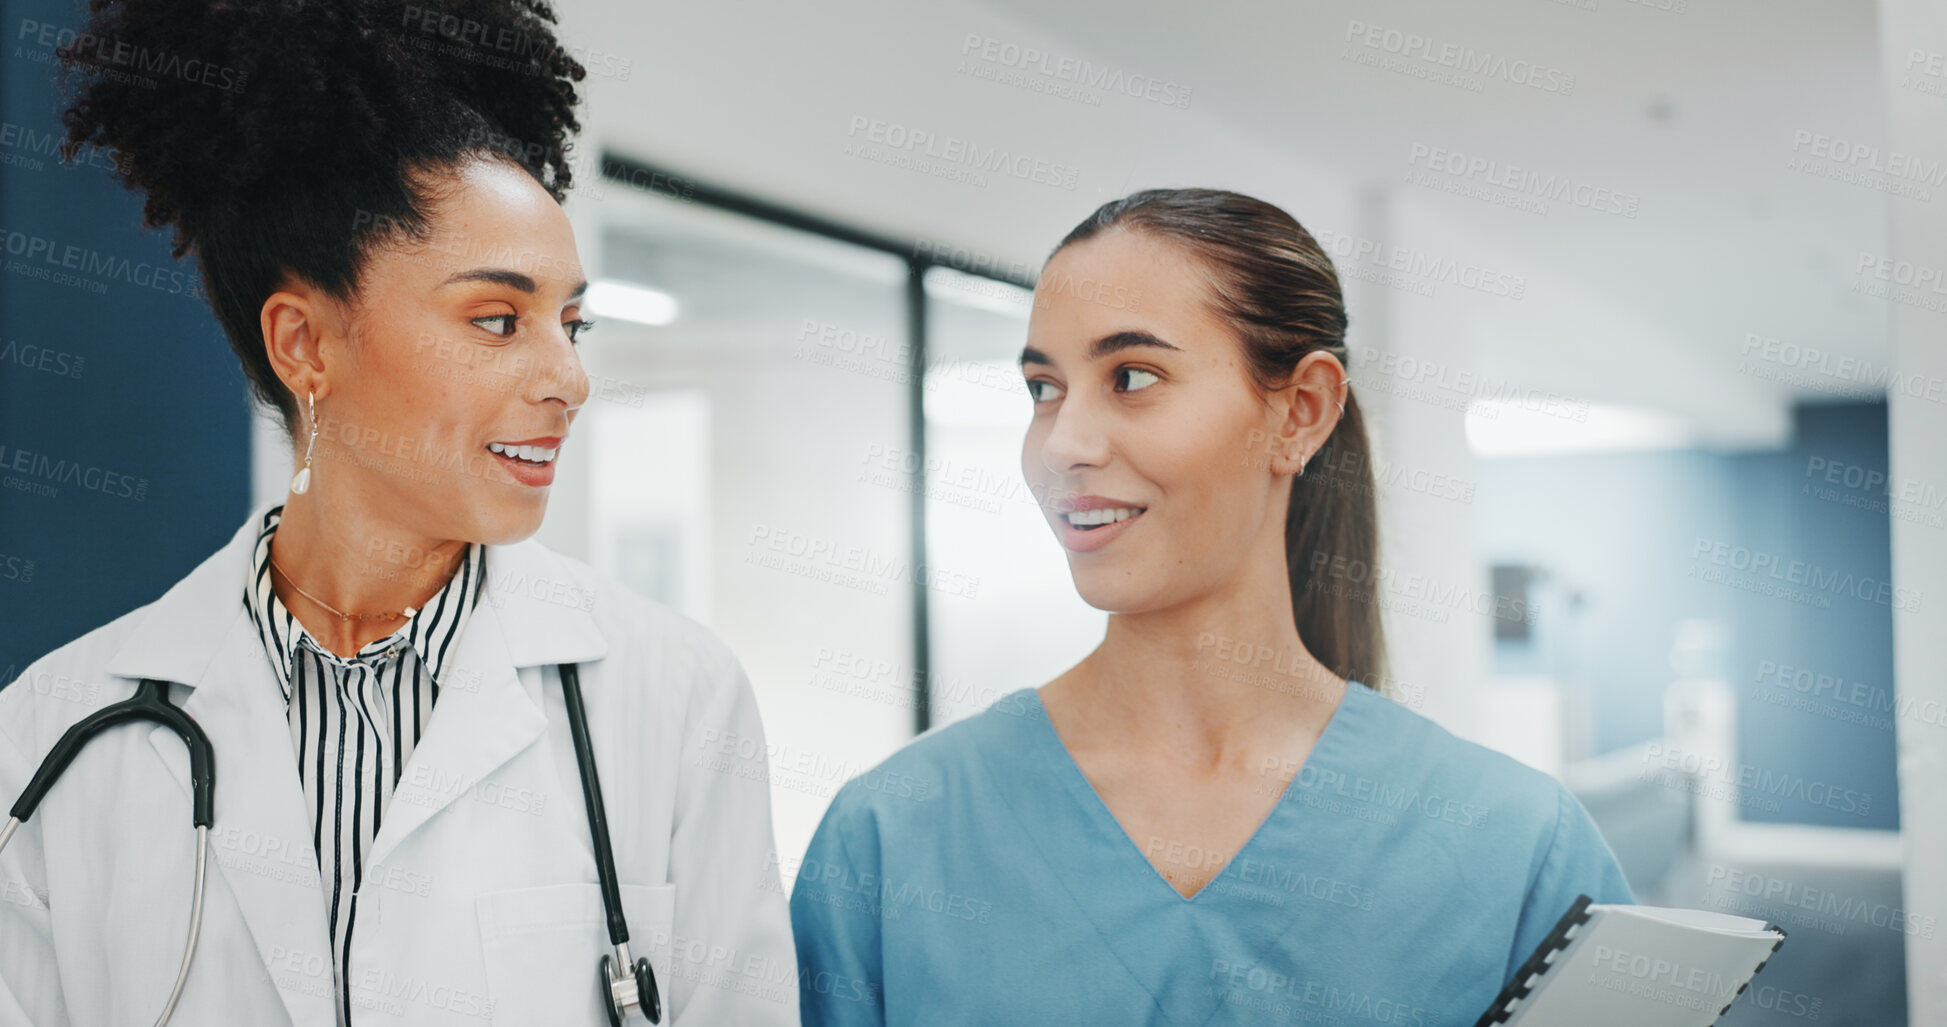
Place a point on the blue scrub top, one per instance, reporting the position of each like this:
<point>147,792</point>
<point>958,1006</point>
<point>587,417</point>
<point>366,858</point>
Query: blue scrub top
<point>975,877</point>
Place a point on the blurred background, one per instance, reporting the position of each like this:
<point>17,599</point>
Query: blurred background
<point>1647,317</point>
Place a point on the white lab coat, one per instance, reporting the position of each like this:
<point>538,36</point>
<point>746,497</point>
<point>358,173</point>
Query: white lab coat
<point>478,903</point>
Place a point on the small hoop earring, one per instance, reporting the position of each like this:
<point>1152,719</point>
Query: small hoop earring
<point>302,482</point>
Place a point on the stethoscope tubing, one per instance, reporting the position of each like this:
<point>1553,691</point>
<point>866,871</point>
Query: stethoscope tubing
<point>591,794</point>
<point>151,703</point>
<point>195,924</point>
<point>626,982</point>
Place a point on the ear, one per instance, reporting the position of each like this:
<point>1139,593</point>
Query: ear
<point>297,322</point>
<point>1306,411</point>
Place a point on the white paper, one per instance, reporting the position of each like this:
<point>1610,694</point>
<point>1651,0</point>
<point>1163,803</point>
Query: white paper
<point>1631,966</point>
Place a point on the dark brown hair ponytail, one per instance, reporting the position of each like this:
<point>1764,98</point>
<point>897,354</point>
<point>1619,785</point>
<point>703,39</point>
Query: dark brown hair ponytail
<point>1280,293</point>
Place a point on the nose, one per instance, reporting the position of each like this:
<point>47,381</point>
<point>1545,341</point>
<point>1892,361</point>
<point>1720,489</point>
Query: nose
<point>1076,439</point>
<point>558,374</point>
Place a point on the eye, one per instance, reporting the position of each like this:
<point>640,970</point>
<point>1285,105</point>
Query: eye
<point>1035,384</point>
<point>1132,372</point>
<point>507,330</point>
<point>575,328</point>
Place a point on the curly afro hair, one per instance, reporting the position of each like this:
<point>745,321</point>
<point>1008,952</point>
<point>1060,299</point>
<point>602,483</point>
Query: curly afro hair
<point>285,139</point>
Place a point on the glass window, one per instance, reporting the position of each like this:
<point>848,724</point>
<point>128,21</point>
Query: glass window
<point>737,472</point>
<point>982,521</point>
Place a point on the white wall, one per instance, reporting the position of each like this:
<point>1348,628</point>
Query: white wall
<point>761,98</point>
<point>1917,430</point>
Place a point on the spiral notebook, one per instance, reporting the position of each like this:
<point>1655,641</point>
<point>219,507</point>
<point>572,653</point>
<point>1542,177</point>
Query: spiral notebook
<point>1627,966</point>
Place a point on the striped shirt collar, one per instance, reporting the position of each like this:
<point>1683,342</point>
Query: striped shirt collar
<point>431,631</point>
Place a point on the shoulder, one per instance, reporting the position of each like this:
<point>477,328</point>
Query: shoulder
<point>1532,824</point>
<point>1478,834</point>
<point>960,749</point>
<point>173,637</point>
<point>1511,797</point>
<point>647,639</point>
<point>938,769</point>
<point>1438,749</point>
<point>68,683</point>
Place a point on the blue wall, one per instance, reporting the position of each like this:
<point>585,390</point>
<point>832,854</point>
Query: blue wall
<point>1653,539</point>
<point>1800,504</point>
<point>124,423</point>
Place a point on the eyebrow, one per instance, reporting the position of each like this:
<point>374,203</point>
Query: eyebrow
<point>512,279</point>
<point>1114,342</point>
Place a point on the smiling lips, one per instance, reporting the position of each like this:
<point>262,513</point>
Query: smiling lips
<point>530,461</point>
<point>1088,523</point>
<point>1087,519</point>
<point>531,454</point>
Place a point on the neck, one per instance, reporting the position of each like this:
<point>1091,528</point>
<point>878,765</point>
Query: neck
<point>1224,673</point>
<point>356,562</point>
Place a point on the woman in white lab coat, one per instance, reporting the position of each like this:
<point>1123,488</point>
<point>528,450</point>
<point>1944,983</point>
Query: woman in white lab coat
<point>373,194</point>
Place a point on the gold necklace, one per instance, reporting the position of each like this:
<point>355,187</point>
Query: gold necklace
<point>342,615</point>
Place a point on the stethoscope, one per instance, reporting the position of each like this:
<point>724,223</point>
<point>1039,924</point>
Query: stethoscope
<point>627,985</point>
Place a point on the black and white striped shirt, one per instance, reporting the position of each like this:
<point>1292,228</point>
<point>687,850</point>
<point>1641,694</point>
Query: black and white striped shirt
<point>354,721</point>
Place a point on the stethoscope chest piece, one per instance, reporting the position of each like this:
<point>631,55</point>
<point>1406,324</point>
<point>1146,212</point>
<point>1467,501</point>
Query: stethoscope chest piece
<point>628,985</point>
<point>627,993</point>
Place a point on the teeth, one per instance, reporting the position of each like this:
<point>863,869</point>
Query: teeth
<point>531,454</point>
<point>1107,515</point>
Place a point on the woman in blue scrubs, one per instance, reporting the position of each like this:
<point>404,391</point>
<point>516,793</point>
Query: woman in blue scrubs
<point>1213,818</point>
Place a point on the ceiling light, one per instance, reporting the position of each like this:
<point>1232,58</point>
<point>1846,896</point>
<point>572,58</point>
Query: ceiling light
<point>638,303</point>
<point>1503,428</point>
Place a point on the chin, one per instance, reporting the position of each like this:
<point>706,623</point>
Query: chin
<point>1112,593</point>
<point>508,526</point>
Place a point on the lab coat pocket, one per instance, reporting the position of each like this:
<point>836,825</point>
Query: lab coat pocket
<point>543,949</point>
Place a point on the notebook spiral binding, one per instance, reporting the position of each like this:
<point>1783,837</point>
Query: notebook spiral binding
<point>1754,973</point>
<point>1557,940</point>
<point>1537,964</point>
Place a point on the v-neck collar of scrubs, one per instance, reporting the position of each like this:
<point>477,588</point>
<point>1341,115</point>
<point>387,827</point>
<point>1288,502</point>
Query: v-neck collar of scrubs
<point>1121,892</point>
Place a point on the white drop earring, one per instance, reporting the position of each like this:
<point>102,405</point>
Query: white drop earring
<point>302,482</point>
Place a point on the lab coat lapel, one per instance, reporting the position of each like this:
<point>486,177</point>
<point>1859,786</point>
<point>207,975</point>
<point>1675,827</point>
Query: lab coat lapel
<point>483,717</point>
<point>534,609</point>
<point>531,611</point>
<point>199,634</point>
<point>261,842</point>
